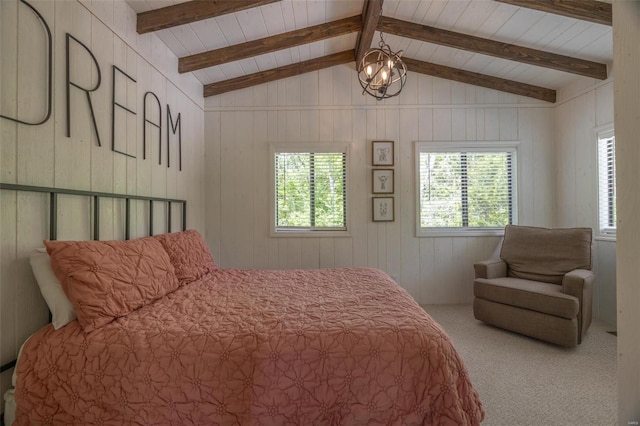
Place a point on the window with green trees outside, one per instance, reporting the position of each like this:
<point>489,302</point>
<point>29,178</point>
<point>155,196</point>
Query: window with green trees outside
<point>310,191</point>
<point>468,187</point>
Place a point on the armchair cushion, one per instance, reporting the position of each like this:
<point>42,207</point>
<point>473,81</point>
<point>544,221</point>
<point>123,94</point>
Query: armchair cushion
<point>546,255</point>
<point>537,296</point>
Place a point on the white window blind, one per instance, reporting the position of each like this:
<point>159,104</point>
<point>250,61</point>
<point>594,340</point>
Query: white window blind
<point>310,191</point>
<point>466,188</point>
<point>607,182</point>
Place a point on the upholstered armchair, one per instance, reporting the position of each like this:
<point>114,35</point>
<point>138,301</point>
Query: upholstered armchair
<point>541,286</point>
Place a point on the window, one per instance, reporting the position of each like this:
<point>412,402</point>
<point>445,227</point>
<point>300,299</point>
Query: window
<point>465,187</point>
<point>607,182</point>
<point>310,190</point>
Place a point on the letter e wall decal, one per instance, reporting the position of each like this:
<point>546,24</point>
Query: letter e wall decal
<point>114,104</point>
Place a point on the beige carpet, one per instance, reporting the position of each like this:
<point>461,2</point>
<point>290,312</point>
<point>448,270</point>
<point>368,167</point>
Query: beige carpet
<point>522,381</point>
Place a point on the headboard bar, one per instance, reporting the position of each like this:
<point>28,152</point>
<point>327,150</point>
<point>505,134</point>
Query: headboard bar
<point>7,366</point>
<point>150,217</point>
<point>184,216</point>
<point>53,206</point>
<point>16,187</point>
<point>96,218</point>
<point>53,215</point>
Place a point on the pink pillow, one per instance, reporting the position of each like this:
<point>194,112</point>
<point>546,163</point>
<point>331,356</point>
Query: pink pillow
<point>105,280</point>
<point>189,254</point>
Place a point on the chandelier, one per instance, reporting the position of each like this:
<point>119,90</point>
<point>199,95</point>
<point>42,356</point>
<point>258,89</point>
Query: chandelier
<point>382,73</point>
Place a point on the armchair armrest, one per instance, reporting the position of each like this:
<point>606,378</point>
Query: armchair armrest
<point>494,268</point>
<point>577,282</point>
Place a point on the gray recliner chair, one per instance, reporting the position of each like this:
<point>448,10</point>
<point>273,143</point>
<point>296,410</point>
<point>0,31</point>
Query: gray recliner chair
<point>541,286</point>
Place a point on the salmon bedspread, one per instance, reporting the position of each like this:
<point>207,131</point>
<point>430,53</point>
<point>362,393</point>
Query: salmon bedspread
<point>254,347</point>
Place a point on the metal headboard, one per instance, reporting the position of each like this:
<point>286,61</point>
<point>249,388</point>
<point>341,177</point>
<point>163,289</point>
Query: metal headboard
<point>96,196</point>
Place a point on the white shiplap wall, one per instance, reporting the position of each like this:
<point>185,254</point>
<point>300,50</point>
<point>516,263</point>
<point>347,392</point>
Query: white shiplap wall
<point>581,110</point>
<point>44,156</point>
<point>328,106</point>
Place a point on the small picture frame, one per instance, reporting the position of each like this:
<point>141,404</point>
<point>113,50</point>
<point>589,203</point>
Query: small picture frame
<point>382,152</point>
<point>383,209</point>
<point>383,181</point>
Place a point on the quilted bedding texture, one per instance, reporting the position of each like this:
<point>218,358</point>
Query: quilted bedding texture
<point>324,347</point>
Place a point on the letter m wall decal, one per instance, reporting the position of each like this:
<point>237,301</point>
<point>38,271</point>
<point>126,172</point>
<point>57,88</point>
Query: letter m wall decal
<point>171,127</point>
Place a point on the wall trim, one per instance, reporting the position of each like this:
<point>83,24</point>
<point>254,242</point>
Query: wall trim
<point>584,91</point>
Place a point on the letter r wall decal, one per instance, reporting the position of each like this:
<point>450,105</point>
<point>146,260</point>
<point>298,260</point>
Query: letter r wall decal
<point>86,90</point>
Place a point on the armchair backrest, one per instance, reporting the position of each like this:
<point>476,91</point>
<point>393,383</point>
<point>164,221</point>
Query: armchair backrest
<point>544,254</point>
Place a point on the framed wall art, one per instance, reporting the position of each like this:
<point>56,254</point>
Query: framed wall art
<point>383,209</point>
<point>382,152</point>
<point>383,181</point>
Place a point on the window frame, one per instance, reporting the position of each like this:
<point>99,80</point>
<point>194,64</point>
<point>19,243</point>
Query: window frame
<point>465,146</point>
<point>605,232</point>
<point>320,147</point>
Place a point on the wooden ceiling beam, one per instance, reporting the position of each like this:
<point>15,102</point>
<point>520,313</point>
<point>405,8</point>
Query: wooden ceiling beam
<point>371,13</point>
<point>413,65</point>
<point>279,73</point>
<point>481,80</point>
<point>191,11</point>
<point>270,44</point>
<point>493,48</point>
<point>587,10</point>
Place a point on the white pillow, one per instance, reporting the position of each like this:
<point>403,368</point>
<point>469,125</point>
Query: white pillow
<point>9,407</point>
<point>61,309</point>
<point>9,396</point>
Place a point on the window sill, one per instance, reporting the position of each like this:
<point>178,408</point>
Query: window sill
<point>460,233</point>
<point>605,237</point>
<point>310,234</point>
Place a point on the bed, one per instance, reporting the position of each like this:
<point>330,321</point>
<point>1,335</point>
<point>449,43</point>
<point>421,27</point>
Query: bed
<point>154,332</point>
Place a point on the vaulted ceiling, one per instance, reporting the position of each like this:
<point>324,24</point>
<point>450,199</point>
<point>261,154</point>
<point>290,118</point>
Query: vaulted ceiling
<point>525,47</point>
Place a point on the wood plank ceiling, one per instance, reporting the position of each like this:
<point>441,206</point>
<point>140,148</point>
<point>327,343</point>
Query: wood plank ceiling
<point>524,47</point>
